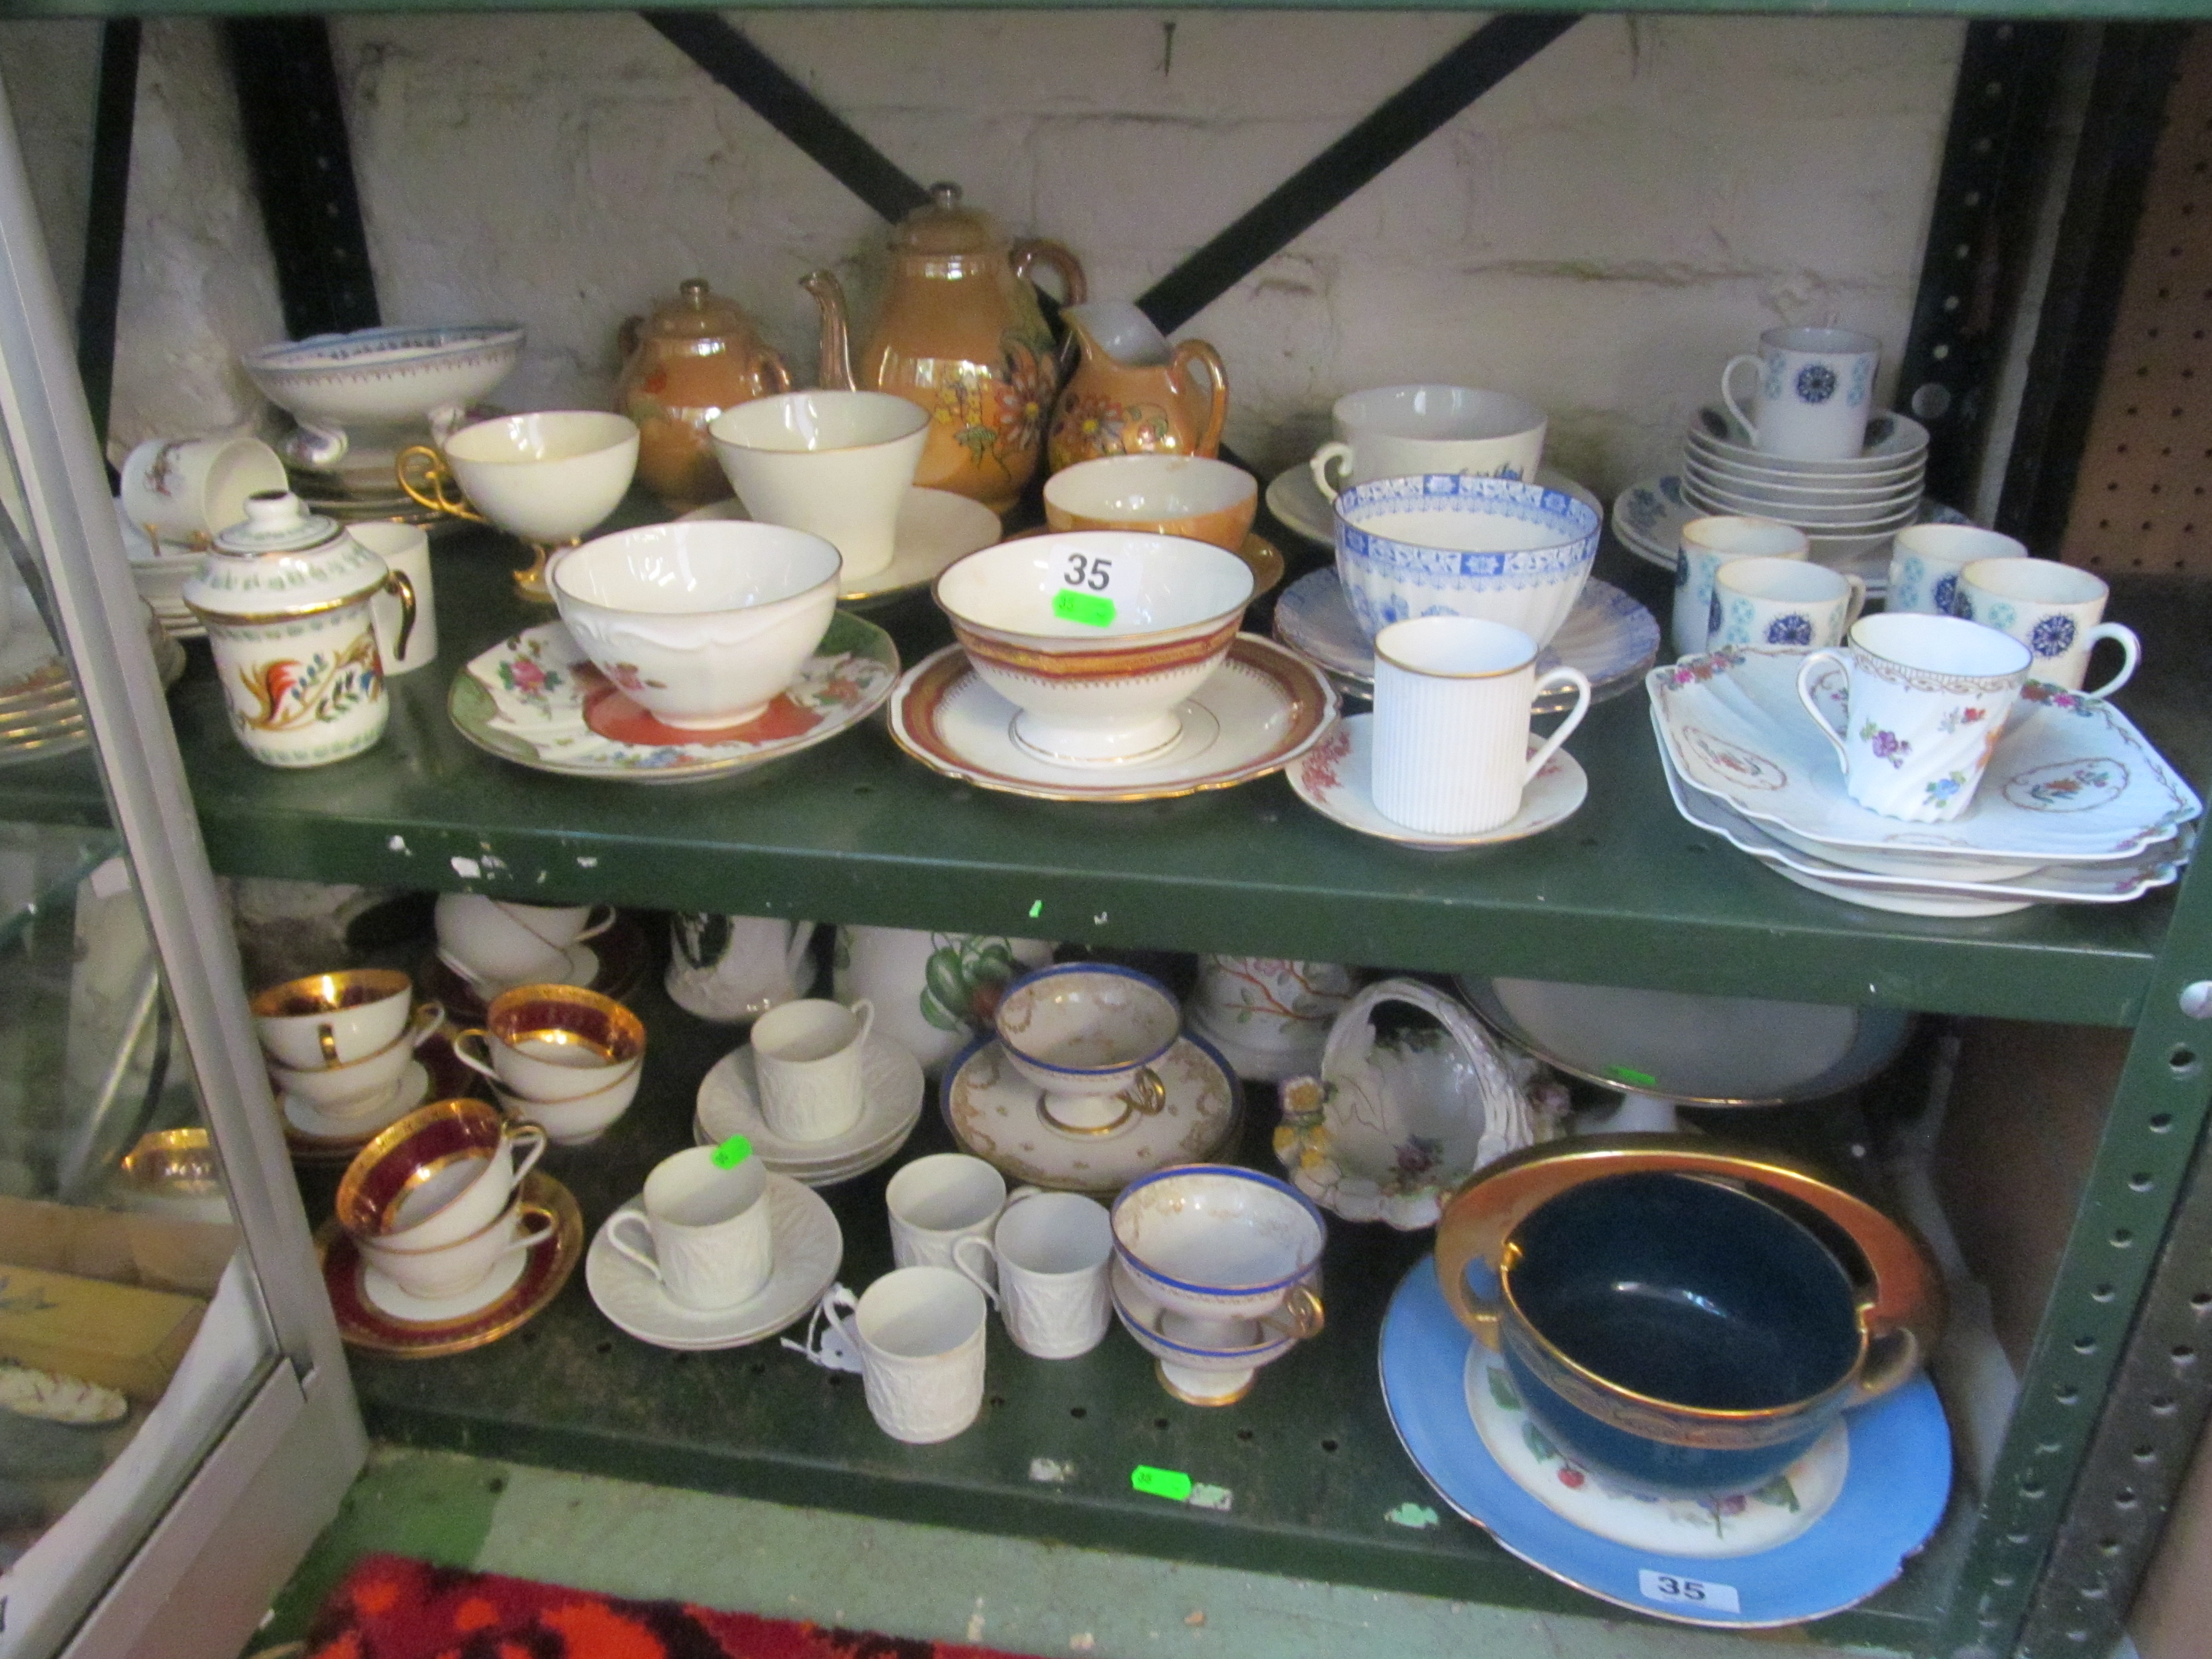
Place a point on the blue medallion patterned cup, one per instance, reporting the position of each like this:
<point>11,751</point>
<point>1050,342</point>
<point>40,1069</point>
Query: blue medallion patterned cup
<point>1791,604</point>
<point>2055,610</point>
<point>1925,560</point>
<point>1454,544</point>
<point>1704,546</point>
<point>1815,392</point>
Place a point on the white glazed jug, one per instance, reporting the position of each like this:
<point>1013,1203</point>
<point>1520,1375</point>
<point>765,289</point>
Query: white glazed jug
<point>934,992</point>
<point>735,969</point>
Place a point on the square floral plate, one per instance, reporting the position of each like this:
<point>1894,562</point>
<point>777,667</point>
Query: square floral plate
<point>536,699</point>
<point>2072,782</point>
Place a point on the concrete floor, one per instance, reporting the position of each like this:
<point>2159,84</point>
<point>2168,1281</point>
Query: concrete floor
<point>627,1539</point>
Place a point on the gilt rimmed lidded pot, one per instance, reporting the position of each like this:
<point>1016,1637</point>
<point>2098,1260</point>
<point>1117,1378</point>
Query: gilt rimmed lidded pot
<point>285,595</point>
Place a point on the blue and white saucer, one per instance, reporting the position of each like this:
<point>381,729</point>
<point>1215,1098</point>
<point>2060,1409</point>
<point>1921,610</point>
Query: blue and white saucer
<point>1608,635</point>
<point>1648,520</point>
<point>1892,1494</point>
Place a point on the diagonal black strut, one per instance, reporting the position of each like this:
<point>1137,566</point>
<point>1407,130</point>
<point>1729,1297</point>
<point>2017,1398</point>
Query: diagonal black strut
<point>99,286</point>
<point>1409,115</point>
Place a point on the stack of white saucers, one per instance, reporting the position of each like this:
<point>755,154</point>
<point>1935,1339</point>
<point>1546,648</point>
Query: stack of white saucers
<point>1846,507</point>
<point>729,1104</point>
<point>2075,807</point>
<point>159,571</point>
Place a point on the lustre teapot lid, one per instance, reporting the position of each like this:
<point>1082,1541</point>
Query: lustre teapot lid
<point>943,228</point>
<point>696,313</point>
<point>282,561</point>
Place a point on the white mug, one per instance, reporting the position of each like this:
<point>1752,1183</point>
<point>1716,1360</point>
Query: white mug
<point>1815,392</point>
<point>186,491</point>
<point>1045,1264</point>
<point>1452,701</point>
<point>454,1268</point>
<point>919,1332</point>
<point>2054,609</point>
<point>704,1230</point>
<point>406,549</point>
<point>934,992</point>
<point>1708,543</point>
<point>836,465</point>
<point>936,1202</point>
<point>1791,603</point>
<point>1926,698</point>
<point>735,969</point>
<point>489,944</point>
<point>1925,560</point>
<point>1409,431</point>
<point>807,1056</point>
<point>457,1199</point>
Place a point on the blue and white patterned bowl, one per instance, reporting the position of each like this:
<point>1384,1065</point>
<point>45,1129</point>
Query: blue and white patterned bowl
<point>1452,544</point>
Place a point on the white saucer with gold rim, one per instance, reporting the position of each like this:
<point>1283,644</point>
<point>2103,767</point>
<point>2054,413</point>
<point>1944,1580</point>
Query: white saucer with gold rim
<point>1333,779</point>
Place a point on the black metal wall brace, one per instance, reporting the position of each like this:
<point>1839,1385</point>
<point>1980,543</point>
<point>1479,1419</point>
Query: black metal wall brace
<point>100,285</point>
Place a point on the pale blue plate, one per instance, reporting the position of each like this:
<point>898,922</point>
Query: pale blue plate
<point>1900,1477</point>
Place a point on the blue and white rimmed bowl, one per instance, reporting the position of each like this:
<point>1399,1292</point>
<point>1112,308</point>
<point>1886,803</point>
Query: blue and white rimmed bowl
<point>1086,1029</point>
<point>1452,544</point>
<point>1219,1242</point>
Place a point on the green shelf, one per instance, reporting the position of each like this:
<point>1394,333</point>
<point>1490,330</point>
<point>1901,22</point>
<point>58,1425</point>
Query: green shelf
<point>1623,893</point>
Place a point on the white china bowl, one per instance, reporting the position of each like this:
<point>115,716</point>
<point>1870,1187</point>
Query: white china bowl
<point>548,477</point>
<point>1207,500</point>
<point>1085,1028</point>
<point>384,374</point>
<point>1093,691</point>
<point>1451,544</point>
<point>702,623</point>
<point>1216,1241</point>
<point>1210,1347</point>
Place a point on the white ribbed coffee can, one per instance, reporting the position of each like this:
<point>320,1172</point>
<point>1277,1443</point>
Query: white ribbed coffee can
<point>1452,701</point>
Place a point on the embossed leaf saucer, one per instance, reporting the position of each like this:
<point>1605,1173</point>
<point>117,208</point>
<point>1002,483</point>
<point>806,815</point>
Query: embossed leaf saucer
<point>1297,503</point>
<point>935,527</point>
<point>536,699</point>
<point>809,1246</point>
<point>1261,710</point>
<point>729,1104</point>
<point>1608,635</point>
<point>2072,780</point>
<point>1893,1490</point>
<point>992,1113</point>
<point>1332,778</point>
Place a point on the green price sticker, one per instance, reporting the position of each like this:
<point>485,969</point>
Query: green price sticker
<point>1092,609</point>
<point>1171,1483</point>
<point>732,1153</point>
<point>1631,1076</point>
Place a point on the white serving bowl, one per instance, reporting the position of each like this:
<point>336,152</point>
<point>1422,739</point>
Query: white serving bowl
<point>547,479</point>
<point>384,375</point>
<point>1453,544</point>
<point>704,623</point>
<point>1103,691</point>
<point>1217,1242</point>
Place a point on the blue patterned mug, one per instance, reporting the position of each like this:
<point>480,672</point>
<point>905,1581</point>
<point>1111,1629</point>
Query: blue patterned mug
<point>1792,604</point>
<point>2055,610</point>
<point>1815,392</point>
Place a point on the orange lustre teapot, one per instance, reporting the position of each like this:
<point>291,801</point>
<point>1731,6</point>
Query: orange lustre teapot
<point>696,355</point>
<point>959,334</point>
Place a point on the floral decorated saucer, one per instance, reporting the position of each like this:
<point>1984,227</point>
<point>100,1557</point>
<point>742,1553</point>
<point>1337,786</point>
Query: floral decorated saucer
<point>536,699</point>
<point>934,528</point>
<point>1896,1480</point>
<point>994,1113</point>
<point>1332,778</point>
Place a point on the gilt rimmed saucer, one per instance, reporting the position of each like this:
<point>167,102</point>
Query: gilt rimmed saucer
<point>362,1324</point>
<point>1297,503</point>
<point>1333,779</point>
<point>1263,708</point>
<point>536,699</point>
<point>1611,637</point>
<point>890,1081</point>
<point>808,1249</point>
<point>935,527</point>
<point>994,1113</point>
<point>1893,1495</point>
<point>395,1301</point>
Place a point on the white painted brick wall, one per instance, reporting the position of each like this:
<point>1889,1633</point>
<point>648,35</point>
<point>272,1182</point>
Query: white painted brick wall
<point>1598,233</point>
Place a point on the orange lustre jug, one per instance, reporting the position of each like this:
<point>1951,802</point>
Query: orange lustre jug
<point>959,334</point>
<point>1134,394</point>
<point>696,355</point>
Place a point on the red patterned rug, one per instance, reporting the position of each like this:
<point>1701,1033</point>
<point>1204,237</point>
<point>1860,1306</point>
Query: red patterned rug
<point>389,1607</point>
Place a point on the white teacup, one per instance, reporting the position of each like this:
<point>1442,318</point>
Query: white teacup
<point>1791,603</point>
<point>834,464</point>
<point>186,491</point>
<point>1927,697</point>
<point>807,1056</point>
<point>1405,431</point>
<point>936,1202</point>
<point>578,1120</point>
<point>553,1042</point>
<point>704,1230</point>
<point>455,1199</point>
<point>1088,1035</point>
<point>1708,543</point>
<point>1925,560</point>
<point>919,1332</point>
<point>326,1019</point>
<point>2055,610</point>
<point>561,925</point>
<point>1045,1264</point>
<point>357,1088</point>
<point>488,944</point>
<point>1453,696</point>
<point>432,1271</point>
<point>1815,392</point>
<point>404,549</point>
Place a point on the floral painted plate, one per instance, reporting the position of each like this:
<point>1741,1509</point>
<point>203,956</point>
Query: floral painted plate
<point>992,1113</point>
<point>2072,781</point>
<point>1898,1479</point>
<point>1333,776</point>
<point>536,699</point>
